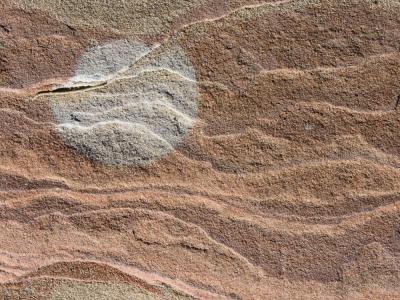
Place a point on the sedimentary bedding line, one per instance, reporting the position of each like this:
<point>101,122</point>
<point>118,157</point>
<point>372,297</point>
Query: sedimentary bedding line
<point>167,105</point>
<point>236,10</point>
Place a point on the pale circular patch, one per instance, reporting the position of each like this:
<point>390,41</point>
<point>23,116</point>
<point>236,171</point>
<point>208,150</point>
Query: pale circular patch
<point>146,108</point>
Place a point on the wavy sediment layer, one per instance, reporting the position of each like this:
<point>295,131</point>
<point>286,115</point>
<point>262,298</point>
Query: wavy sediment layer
<point>236,150</point>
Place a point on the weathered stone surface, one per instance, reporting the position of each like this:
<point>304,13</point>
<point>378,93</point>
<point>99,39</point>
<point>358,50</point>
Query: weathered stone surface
<point>199,149</point>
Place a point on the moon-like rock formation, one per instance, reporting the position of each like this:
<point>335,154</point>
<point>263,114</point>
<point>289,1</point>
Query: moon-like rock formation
<point>137,117</point>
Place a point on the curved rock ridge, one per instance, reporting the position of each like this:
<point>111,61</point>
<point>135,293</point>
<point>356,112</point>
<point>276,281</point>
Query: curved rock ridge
<point>151,17</point>
<point>148,105</point>
<point>89,280</point>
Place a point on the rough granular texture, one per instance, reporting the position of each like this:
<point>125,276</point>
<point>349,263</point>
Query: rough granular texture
<point>199,149</point>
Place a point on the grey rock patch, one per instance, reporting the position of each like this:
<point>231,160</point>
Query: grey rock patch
<point>140,115</point>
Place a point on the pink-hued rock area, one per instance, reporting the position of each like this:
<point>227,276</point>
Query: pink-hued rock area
<point>198,149</point>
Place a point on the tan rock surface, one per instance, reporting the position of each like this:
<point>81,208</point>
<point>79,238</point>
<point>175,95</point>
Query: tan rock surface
<point>199,149</point>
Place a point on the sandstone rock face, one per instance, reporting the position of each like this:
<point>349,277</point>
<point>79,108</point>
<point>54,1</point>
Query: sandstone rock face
<point>200,149</point>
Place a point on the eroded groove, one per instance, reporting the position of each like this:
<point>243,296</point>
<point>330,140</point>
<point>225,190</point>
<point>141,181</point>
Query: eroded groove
<point>73,89</point>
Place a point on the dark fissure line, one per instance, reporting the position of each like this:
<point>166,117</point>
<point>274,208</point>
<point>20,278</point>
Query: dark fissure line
<point>63,90</point>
